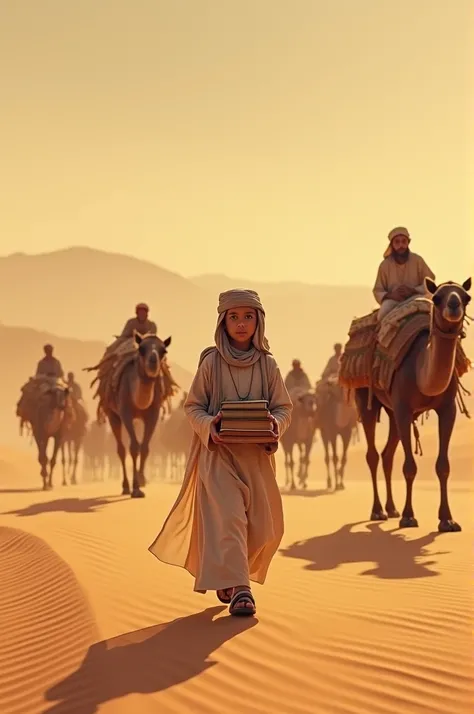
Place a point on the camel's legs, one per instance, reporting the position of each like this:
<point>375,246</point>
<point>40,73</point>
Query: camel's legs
<point>446,420</point>
<point>116,426</point>
<point>355,434</point>
<point>307,451</point>
<point>346,440</point>
<point>387,462</point>
<point>134,449</point>
<point>42,457</point>
<point>76,444</point>
<point>404,418</point>
<point>63,463</point>
<point>57,443</point>
<point>325,440</point>
<point>335,458</point>
<point>369,424</point>
<point>301,463</point>
<point>148,431</point>
<point>289,469</point>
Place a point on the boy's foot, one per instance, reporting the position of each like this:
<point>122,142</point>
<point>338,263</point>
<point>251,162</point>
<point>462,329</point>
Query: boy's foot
<point>242,603</point>
<point>225,595</point>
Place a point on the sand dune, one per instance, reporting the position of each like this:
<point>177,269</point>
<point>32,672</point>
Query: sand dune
<point>355,617</point>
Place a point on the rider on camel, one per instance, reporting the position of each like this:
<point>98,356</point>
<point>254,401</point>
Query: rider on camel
<point>401,274</point>
<point>297,378</point>
<point>140,322</point>
<point>49,366</point>
<point>332,367</point>
<point>74,388</point>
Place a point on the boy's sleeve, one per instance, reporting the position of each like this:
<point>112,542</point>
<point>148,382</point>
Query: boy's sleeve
<point>280,405</point>
<point>196,405</point>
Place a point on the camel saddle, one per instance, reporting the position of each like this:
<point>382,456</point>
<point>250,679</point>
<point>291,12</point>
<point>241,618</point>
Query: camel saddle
<point>110,369</point>
<point>375,349</point>
<point>32,392</point>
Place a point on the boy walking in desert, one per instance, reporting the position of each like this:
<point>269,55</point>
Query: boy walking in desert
<point>227,522</point>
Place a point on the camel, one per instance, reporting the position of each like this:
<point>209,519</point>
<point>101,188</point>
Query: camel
<point>138,397</point>
<point>52,418</point>
<point>300,433</point>
<point>334,417</point>
<point>425,380</point>
<point>73,441</point>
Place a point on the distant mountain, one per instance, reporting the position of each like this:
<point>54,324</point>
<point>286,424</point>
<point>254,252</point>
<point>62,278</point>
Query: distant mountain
<point>23,347</point>
<point>219,282</point>
<point>89,294</point>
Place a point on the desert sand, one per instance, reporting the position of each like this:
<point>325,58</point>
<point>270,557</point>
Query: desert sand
<point>355,617</point>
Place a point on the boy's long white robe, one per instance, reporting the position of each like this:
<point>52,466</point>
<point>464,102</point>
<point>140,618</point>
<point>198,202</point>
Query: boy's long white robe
<point>227,522</point>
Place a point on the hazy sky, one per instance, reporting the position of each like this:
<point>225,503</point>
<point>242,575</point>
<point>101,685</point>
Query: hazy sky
<point>272,139</point>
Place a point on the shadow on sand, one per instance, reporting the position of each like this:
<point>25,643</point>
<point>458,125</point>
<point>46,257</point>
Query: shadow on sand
<point>395,556</point>
<point>307,493</point>
<point>145,661</point>
<point>67,505</point>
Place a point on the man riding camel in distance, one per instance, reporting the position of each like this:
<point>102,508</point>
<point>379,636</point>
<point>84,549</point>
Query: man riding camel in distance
<point>49,366</point>
<point>401,275</point>
<point>48,370</point>
<point>74,388</point>
<point>332,367</point>
<point>140,322</point>
<point>297,378</point>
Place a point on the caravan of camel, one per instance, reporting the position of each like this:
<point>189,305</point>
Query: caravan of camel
<point>406,365</point>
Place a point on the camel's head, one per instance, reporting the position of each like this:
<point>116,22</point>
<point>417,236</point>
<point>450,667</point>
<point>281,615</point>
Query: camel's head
<point>60,398</point>
<point>328,391</point>
<point>151,352</point>
<point>450,301</point>
<point>306,403</point>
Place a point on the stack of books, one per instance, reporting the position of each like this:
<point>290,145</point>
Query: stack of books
<point>246,422</point>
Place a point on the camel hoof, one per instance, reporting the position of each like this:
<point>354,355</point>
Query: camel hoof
<point>408,522</point>
<point>378,516</point>
<point>340,487</point>
<point>393,513</point>
<point>126,491</point>
<point>449,527</point>
<point>137,493</point>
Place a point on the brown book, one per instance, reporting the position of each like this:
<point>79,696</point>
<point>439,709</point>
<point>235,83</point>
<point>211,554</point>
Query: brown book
<point>249,437</point>
<point>246,424</point>
<point>243,414</point>
<point>245,405</point>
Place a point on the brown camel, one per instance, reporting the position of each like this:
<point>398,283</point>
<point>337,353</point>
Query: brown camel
<point>334,418</point>
<point>52,418</point>
<point>138,397</point>
<point>300,433</point>
<point>425,380</point>
<point>73,441</point>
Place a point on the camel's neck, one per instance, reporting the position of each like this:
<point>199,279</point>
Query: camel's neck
<point>143,391</point>
<point>435,364</point>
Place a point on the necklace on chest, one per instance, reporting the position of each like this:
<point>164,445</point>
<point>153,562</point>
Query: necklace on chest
<point>239,396</point>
